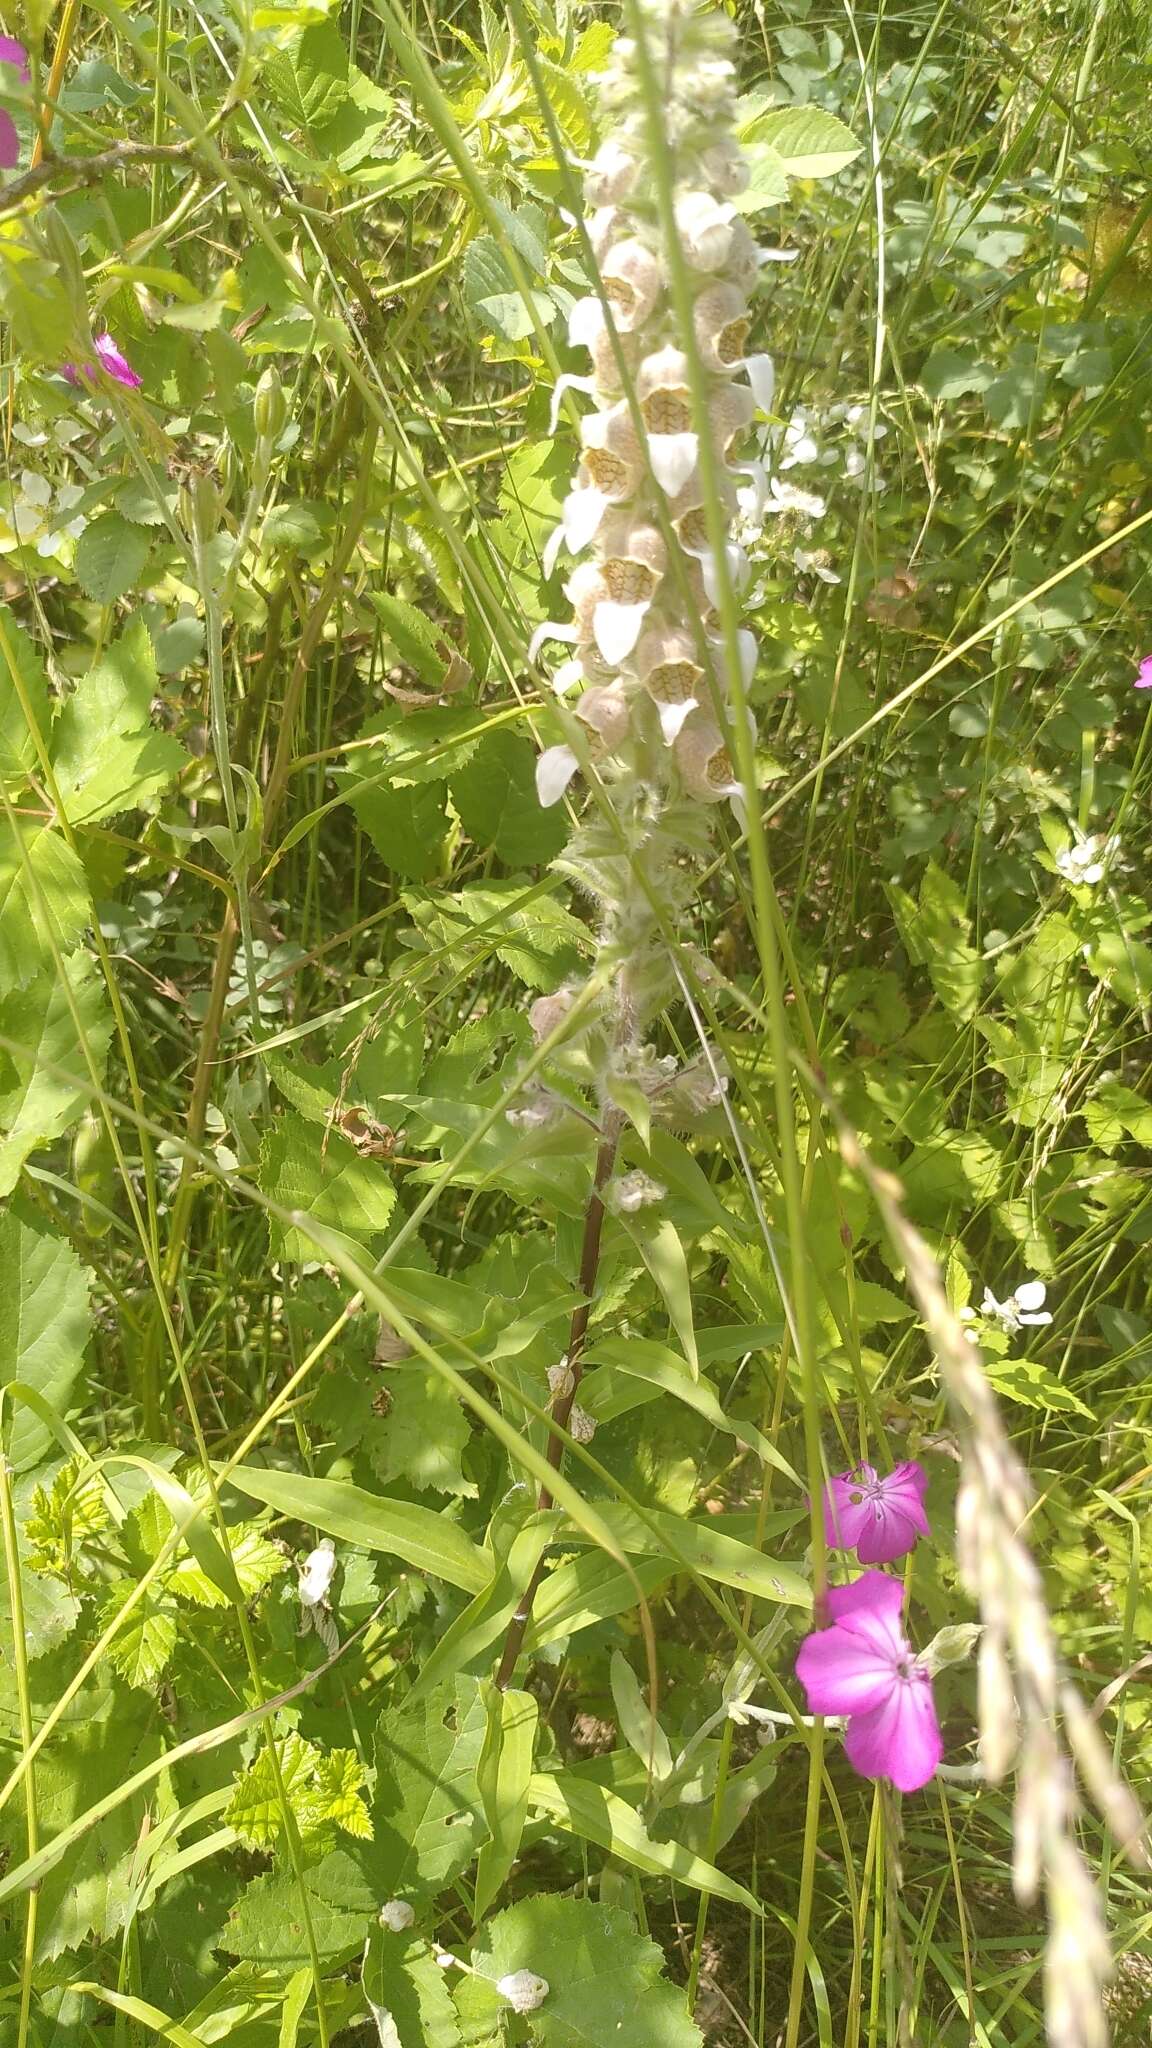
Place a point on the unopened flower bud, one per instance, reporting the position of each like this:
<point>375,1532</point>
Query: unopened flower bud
<point>561,1380</point>
<point>547,1013</point>
<point>581,1425</point>
<point>269,406</point>
<point>524,1990</point>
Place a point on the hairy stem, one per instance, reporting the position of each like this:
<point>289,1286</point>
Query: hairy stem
<point>562,1405</point>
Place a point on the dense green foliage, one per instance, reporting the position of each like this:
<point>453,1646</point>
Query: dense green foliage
<point>276,900</point>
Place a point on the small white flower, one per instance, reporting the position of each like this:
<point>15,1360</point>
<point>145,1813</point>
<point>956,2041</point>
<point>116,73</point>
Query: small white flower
<point>1024,1307</point>
<point>811,565</point>
<point>524,1990</point>
<point>316,1574</point>
<point>1085,864</point>
<point>788,498</point>
<point>397,1916</point>
<point>314,1581</point>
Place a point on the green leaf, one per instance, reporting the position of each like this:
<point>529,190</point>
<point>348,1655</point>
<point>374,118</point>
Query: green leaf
<point>309,82</point>
<point>428,1541</point>
<point>53,1023</point>
<point>414,638</point>
<point>503,1775</point>
<point>1115,1111</point>
<point>596,1815</point>
<point>659,1245</point>
<point>406,1990</point>
<point>266,1925</point>
<point>427,1814</point>
<point>256,1561</point>
<point>322,1791</point>
<point>110,555</point>
<point>45,1324</point>
<point>325,1178</point>
<point>495,796</point>
<point>407,825</point>
<point>425,1434</point>
<point>143,1645</point>
<point>106,1735</point>
<point>107,755</point>
<point>605,1981</point>
<point>809,142</point>
<point>43,900</point>
<point>1033,1386</point>
<point>20,664</point>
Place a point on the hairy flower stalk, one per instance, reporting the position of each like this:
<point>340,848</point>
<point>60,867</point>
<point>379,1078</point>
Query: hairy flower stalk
<point>647,677</point>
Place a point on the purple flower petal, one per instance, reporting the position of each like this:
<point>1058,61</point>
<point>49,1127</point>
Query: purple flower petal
<point>898,1739</point>
<point>116,365</point>
<point>9,142</point>
<point>880,1519</point>
<point>843,1673</point>
<point>1143,680</point>
<point>14,53</point>
<point>845,1510</point>
<point>874,1593</point>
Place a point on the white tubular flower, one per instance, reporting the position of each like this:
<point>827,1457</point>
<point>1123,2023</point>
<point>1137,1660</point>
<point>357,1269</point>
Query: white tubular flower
<point>704,762</point>
<point>631,568</point>
<point>667,667</point>
<point>706,230</point>
<point>607,713</point>
<point>611,175</point>
<point>633,281</point>
<point>724,168</point>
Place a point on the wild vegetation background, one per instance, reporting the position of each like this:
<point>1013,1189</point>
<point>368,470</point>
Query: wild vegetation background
<point>277,898</point>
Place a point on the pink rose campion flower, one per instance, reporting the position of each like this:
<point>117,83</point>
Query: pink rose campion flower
<point>1143,678</point>
<point>864,1667</point>
<point>880,1519</point>
<point>14,54</point>
<point>111,360</point>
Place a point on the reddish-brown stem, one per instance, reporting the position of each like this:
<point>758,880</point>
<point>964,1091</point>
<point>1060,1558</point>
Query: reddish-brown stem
<point>562,1405</point>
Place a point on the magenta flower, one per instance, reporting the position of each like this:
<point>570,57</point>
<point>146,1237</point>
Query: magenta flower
<point>14,54</point>
<point>864,1667</point>
<point>1143,677</point>
<point>879,1519</point>
<point>111,361</point>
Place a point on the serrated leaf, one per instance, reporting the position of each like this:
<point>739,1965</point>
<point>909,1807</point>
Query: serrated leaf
<point>110,555</point>
<point>427,1812</point>
<point>256,1561</point>
<point>414,637</point>
<point>143,1645</point>
<point>604,1980</point>
<point>406,1990</point>
<point>495,797</point>
<point>425,1434</point>
<point>324,1176</point>
<point>309,81</point>
<point>44,1327</point>
<point>43,900</point>
<point>323,1792</point>
<point>809,142</point>
<point>23,697</point>
<point>1033,1386</point>
<point>107,756</point>
<point>266,1925</point>
<point>59,1024</point>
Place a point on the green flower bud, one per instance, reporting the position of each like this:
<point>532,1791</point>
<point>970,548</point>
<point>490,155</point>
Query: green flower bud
<point>270,407</point>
